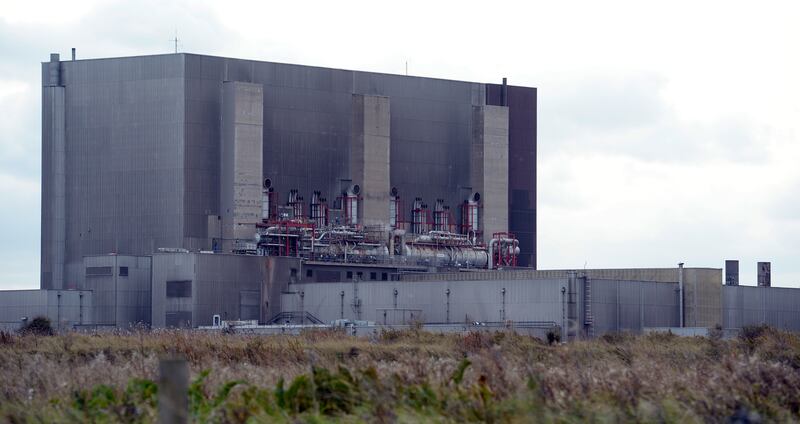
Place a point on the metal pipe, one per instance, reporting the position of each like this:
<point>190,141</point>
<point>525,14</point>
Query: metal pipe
<point>491,255</point>
<point>563,314</point>
<point>504,93</point>
<point>447,293</point>
<point>680,293</point>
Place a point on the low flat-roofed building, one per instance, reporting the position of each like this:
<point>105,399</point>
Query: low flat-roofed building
<point>64,308</point>
<point>121,287</point>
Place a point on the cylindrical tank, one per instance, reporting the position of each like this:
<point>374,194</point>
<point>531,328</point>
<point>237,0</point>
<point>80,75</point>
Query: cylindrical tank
<point>474,257</point>
<point>461,256</point>
<point>425,252</point>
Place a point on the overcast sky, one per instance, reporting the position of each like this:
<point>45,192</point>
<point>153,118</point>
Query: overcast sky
<point>667,133</point>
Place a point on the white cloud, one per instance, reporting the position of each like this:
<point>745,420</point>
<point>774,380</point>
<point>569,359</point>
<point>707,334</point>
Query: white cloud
<point>46,12</point>
<point>19,243</point>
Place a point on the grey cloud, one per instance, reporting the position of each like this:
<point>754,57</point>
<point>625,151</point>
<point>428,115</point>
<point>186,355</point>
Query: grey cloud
<point>628,116</point>
<point>606,103</point>
<point>113,29</point>
<point>147,26</point>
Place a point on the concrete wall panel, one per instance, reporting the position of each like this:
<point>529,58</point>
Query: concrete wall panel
<point>124,176</point>
<point>241,161</point>
<point>747,305</point>
<point>64,308</point>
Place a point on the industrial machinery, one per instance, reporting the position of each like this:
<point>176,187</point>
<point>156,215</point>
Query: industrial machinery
<point>335,234</point>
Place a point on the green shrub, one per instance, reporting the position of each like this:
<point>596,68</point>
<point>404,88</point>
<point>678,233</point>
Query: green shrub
<point>333,392</point>
<point>300,395</point>
<point>103,403</point>
<point>39,326</point>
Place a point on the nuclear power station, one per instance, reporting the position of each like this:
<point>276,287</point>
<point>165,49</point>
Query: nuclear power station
<point>184,190</point>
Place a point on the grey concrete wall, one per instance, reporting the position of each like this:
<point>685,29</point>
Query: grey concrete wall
<point>241,160</point>
<point>125,173</point>
<point>663,275</point>
<point>280,275</point>
<point>53,186</point>
<point>224,284</point>
<point>171,267</point>
<point>620,305</point>
<point>703,310</point>
<point>614,305</point>
<point>538,300</point>
<point>370,161</point>
<point>220,285</point>
<point>702,297</point>
<point>64,308</point>
<point>747,305</point>
<point>120,300</point>
<point>489,167</point>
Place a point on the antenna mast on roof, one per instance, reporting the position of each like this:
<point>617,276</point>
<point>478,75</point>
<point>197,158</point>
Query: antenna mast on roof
<point>175,40</point>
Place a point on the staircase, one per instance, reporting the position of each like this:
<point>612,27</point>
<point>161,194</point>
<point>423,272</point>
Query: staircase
<point>294,317</point>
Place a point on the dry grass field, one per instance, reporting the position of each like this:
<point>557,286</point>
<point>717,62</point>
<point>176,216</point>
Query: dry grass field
<point>408,376</point>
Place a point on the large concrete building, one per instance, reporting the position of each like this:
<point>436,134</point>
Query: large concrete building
<point>169,151</point>
<point>174,195</point>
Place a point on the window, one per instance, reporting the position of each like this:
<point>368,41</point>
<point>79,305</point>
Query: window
<point>349,275</point>
<point>324,276</point>
<point>123,271</point>
<point>384,276</point>
<point>93,271</point>
<point>309,273</point>
<point>373,275</point>
<point>179,288</point>
<point>360,275</point>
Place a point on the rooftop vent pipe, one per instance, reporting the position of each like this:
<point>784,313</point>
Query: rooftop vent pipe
<point>73,53</point>
<point>54,70</point>
<point>504,93</point>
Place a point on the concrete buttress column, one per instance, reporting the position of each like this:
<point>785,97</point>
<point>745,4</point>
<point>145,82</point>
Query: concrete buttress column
<point>54,139</point>
<point>241,160</point>
<point>370,147</point>
<point>489,166</point>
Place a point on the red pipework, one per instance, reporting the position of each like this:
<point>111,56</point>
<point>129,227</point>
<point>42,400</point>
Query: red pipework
<point>504,255</point>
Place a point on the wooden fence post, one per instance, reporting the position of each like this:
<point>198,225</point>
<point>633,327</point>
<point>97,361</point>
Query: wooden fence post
<point>173,396</point>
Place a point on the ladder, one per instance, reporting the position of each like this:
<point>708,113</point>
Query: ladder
<point>588,319</point>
